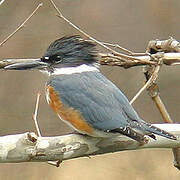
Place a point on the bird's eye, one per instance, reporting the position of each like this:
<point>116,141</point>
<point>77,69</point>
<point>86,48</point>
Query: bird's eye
<point>58,59</point>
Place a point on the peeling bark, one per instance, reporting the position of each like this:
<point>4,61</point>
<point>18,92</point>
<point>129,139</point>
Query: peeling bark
<point>27,147</point>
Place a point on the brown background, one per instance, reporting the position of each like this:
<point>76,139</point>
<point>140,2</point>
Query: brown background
<point>130,23</point>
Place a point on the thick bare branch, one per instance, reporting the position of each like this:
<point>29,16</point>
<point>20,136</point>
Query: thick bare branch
<point>169,45</point>
<point>158,48</point>
<point>28,147</point>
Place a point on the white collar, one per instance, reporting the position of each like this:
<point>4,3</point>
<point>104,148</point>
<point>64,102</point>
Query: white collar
<point>72,70</point>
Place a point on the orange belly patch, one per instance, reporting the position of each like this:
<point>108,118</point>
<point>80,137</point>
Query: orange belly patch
<point>67,113</point>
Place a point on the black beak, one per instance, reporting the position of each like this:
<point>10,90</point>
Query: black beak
<point>30,64</point>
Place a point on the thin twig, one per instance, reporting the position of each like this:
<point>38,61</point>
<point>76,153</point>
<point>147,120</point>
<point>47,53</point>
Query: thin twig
<point>35,115</point>
<point>21,25</point>
<point>135,59</point>
<point>151,79</point>
<point>55,163</point>
<point>162,109</point>
<point>60,15</point>
<point>119,47</point>
<point>125,50</point>
<point>77,28</point>
<point>1,2</point>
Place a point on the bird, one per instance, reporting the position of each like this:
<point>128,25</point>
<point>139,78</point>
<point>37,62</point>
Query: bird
<point>83,97</point>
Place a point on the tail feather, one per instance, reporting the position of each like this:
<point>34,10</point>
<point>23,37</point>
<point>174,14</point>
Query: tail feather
<point>152,129</point>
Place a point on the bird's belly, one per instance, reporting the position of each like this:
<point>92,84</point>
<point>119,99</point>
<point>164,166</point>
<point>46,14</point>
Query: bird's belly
<point>68,114</point>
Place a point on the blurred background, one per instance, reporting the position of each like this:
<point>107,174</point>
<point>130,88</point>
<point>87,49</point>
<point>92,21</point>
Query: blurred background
<point>131,24</point>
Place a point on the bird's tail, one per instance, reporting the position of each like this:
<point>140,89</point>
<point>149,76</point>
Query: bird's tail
<point>152,129</point>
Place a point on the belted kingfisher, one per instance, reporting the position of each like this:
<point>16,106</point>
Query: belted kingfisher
<point>84,98</point>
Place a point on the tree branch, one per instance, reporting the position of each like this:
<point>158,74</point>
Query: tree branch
<point>109,59</point>
<point>28,147</point>
<point>1,2</point>
<point>115,53</point>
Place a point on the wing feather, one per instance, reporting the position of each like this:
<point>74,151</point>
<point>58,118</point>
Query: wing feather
<point>99,101</point>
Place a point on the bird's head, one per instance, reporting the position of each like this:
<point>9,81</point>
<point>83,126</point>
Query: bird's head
<point>69,51</point>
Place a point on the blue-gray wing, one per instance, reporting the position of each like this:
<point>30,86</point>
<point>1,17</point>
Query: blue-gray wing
<point>98,100</point>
